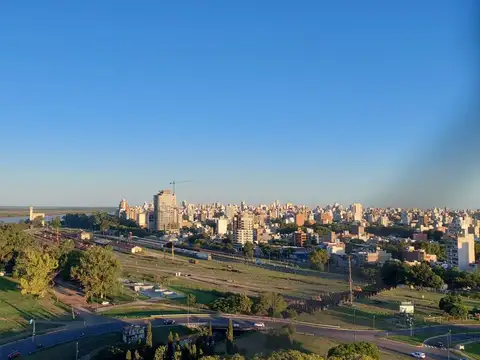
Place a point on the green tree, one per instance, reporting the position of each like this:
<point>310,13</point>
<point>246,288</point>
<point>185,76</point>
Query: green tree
<point>318,259</point>
<point>448,301</point>
<point>170,346</point>
<point>248,249</point>
<point>12,241</point>
<point>352,350</point>
<point>56,223</point>
<point>458,310</point>
<point>191,300</point>
<point>98,271</point>
<point>229,340</point>
<point>160,353</point>
<point>149,335</point>
<point>35,268</point>
<point>128,355</point>
<point>261,305</point>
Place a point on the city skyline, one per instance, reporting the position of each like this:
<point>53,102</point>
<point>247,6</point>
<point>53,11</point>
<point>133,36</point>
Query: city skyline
<point>311,104</point>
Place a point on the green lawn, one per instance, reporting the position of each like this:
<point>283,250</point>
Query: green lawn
<point>256,342</point>
<point>384,307</point>
<point>16,310</point>
<point>473,350</point>
<point>142,311</point>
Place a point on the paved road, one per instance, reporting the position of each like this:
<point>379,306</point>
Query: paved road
<point>109,325</point>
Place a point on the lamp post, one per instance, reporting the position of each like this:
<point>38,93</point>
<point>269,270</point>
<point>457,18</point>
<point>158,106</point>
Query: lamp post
<point>32,322</point>
<point>373,322</point>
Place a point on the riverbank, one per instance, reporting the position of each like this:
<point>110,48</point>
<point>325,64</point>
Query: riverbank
<point>7,212</point>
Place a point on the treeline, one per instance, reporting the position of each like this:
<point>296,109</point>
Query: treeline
<point>393,273</point>
<point>36,264</point>
<point>102,221</point>
<point>268,304</point>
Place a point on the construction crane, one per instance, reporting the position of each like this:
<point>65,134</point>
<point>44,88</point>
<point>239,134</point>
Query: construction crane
<point>173,183</point>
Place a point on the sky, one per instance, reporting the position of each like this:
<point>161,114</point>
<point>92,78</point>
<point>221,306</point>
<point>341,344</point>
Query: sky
<point>304,101</point>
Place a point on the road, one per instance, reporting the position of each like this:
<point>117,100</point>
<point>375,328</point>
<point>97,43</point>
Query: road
<point>105,325</point>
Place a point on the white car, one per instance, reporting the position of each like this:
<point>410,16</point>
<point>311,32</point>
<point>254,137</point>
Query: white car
<point>418,355</point>
<point>235,325</point>
<point>259,325</point>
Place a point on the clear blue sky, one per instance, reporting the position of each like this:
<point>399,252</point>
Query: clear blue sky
<point>306,101</point>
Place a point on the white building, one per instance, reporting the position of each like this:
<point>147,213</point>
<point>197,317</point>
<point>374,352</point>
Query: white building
<point>242,226</point>
<point>222,226</point>
<point>460,245</point>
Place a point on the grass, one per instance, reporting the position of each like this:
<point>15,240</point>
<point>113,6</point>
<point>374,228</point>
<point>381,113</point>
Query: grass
<point>86,345</point>
<point>142,311</point>
<point>473,350</point>
<point>384,307</point>
<point>413,340</point>
<point>16,310</point>
<point>227,276</point>
<point>256,342</point>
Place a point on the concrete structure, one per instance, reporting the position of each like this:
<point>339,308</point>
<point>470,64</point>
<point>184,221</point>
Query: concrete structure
<point>222,226</point>
<point>34,216</point>
<point>357,210</point>
<point>299,238</point>
<point>165,210</point>
<point>242,226</point>
<point>460,245</point>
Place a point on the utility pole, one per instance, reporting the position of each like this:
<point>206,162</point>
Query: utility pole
<point>373,322</point>
<point>350,278</point>
<point>173,254</point>
<point>32,321</point>
<point>448,343</point>
<point>76,351</point>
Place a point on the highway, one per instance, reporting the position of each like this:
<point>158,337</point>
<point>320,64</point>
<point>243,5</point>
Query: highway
<point>108,325</point>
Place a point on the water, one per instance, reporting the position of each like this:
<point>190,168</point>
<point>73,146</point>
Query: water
<point>17,219</point>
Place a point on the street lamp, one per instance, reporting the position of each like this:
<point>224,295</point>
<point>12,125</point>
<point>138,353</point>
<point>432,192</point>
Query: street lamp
<point>373,322</point>
<point>32,322</point>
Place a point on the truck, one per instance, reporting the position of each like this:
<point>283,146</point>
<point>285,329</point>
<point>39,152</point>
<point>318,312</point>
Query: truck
<point>204,256</point>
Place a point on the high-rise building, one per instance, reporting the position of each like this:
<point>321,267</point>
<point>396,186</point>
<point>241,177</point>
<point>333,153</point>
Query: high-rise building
<point>357,211</point>
<point>122,207</point>
<point>222,224</point>
<point>460,245</point>
<point>242,226</point>
<point>165,210</point>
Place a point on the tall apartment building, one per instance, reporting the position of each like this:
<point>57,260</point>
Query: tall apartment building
<point>460,245</point>
<point>242,226</point>
<point>357,210</point>
<point>222,224</point>
<point>165,210</point>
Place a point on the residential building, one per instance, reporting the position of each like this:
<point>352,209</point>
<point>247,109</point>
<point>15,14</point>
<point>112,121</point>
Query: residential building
<point>299,238</point>
<point>242,226</point>
<point>460,245</point>
<point>222,224</point>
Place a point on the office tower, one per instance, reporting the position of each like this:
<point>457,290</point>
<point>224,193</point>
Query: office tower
<point>242,226</point>
<point>165,210</point>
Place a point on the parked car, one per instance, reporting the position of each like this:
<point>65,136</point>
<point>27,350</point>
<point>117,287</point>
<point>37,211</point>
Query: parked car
<point>418,355</point>
<point>14,354</point>
<point>168,322</point>
<point>259,325</point>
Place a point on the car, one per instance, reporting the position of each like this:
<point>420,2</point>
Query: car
<point>440,344</point>
<point>168,322</point>
<point>14,354</point>
<point>236,325</point>
<point>418,355</point>
<point>259,325</point>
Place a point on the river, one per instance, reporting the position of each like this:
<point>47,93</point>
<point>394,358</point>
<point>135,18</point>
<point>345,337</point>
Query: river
<point>17,219</point>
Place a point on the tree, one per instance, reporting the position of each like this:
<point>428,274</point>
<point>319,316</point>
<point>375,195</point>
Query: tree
<point>458,310</point>
<point>149,335</point>
<point>318,259</point>
<point>170,346</point>
<point>248,249</point>
<point>56,223</point>
<point>229,341</point>
<point>35,268</point>
<point>277,305</point>
<point>12,241</point>
<point>160,353</point>
<point>352,350</point>
<point>98,271</point>
<point>261,305</point>
<point>393,273</point>
<point>128,355</point>
<point>448,301</point>
<point>191,300</point>
<point>137,355</point>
